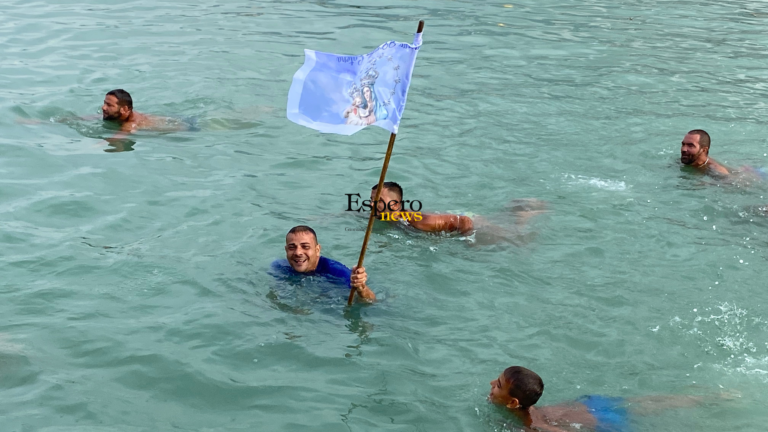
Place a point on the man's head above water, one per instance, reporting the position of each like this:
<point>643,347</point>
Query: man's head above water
<point>301,249</point>
<point>118,105</point>
<point>391,198</point>
<point>695,148</point>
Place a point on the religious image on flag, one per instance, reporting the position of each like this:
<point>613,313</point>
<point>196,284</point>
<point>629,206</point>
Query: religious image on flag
<point>343,94</point>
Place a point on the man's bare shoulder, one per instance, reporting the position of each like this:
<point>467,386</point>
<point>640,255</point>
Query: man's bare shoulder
<point>143,120</point>
<point>717,168</point>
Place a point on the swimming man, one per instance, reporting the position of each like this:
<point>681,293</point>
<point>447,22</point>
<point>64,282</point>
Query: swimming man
<point>695,153</point>
<point>302,257</point>
<point>118,108</point>
<point>391,203</point>
<point>518,389</point>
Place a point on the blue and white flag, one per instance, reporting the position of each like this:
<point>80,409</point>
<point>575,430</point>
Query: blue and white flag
<point>343,94</point>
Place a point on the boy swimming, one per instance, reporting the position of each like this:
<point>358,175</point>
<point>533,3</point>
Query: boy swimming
<point>518,389</point>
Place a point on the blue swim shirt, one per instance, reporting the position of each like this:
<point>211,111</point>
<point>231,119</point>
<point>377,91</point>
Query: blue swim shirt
<point>332,270</point>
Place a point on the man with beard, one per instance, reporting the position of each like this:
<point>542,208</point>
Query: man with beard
<point>118,114</point>
<point>695,153</point>
<point>118,108</point>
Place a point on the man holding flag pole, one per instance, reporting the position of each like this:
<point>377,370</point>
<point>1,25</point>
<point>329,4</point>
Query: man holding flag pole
<point>343,94</point>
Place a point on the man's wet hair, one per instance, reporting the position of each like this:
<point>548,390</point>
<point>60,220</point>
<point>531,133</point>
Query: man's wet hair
<point>703,137</point>
<point>302,229</point>
<point>525,385</point>
<point>123,98</point>
<point>391,186</point>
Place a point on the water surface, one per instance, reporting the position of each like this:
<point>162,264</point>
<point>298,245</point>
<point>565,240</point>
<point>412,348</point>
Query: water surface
<point>135,293</point>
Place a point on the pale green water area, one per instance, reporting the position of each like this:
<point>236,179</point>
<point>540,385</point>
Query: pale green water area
<point>135,293</point>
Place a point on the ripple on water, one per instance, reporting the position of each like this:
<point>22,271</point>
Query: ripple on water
<point>136,282</point>
<point>605,184</point>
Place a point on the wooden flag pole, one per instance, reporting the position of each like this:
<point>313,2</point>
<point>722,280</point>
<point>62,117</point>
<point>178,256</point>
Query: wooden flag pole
<point>378,195</point>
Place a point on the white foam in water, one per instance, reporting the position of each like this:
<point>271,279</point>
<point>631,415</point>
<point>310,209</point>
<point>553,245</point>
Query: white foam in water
<point>612,185</point>
<point>726,332</point>
<point>755,366</point>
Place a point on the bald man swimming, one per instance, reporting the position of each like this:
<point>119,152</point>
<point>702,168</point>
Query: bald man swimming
<point>302,258</point>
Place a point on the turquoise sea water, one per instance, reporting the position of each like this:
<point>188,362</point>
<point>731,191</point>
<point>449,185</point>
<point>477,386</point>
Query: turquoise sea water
<point>134,293</point>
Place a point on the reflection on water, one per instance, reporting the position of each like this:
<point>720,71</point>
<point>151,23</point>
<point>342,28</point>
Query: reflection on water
<point>119,145</point>
<point>306,295</point>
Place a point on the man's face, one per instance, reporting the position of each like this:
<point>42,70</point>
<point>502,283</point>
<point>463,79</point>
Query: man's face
<point>500,391</point>
<point>111,110</point>
<point>388,196</point>
<point>302,251</point>
<point>691,149</point>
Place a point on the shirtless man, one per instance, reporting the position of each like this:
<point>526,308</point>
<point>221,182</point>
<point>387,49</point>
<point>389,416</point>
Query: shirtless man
<point>695,153</point>
<point>518,389</point>
<point>118,108</point>
<point>390,206</point>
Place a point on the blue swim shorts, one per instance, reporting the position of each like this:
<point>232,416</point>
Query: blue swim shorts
<point>610,412</point>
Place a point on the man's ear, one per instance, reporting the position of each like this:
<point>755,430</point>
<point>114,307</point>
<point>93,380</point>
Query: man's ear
<point>124,110</point>
<point>513,403</point>
<point>318,248</point>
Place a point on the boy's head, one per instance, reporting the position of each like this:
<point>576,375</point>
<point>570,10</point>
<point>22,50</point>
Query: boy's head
<point>516,388</point>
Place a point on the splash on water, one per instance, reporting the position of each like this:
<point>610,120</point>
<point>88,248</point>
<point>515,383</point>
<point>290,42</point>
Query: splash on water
<point>732,334</point>
<point>611,185</point>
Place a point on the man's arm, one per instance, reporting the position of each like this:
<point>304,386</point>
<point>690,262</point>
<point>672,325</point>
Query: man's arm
<point>436,223</point>
<point>357,282</point>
